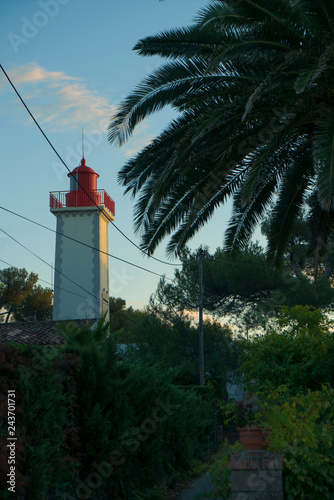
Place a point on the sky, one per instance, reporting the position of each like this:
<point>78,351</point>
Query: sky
<point>72,62</point>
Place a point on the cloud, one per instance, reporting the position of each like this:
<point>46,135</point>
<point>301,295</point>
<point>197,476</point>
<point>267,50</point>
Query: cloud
<point>32,73</point>
<point>60,100</point>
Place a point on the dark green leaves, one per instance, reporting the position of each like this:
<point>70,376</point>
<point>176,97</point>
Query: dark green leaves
<point>252,83</point>
<point>324,158</point>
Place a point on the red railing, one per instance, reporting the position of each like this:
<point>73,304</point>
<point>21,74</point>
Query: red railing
<point>65,199</point>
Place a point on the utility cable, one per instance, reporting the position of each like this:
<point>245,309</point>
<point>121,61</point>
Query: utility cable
<point>62,161</point>
<point>73,293</point>
<point>48,282</point>
<point>61,288</point>
<point>44,261</point>
<point>81,242</point>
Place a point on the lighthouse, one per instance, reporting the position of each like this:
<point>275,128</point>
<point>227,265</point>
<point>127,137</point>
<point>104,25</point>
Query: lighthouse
<point>81,271</point>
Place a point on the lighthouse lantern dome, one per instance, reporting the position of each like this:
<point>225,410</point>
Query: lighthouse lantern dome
<point>83,187</point>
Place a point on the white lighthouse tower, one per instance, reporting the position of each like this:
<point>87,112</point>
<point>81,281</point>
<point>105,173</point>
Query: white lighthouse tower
<point>81,280</point>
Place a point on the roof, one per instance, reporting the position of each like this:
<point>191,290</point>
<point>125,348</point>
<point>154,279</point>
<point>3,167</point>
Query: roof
<point>39,332</point>
<point>82,168</point>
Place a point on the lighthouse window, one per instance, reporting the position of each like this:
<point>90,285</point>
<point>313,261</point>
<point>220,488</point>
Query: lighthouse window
<point>74,182</point>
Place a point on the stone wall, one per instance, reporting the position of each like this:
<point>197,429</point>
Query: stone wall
<point>256,475</point>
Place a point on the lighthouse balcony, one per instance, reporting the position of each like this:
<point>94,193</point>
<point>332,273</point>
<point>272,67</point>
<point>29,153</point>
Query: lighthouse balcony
<point>66,199</point>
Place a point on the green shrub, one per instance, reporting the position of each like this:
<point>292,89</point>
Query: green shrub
<point>220,474</point>
<point>303,432</point>
<point>10,360</point>
<point>44,423</point>
<point>134,409</point>
<point>174,345</point>
<point>80,407</point>
<point>300,355</point>
<point>155,425</point>
<point>293,372</point>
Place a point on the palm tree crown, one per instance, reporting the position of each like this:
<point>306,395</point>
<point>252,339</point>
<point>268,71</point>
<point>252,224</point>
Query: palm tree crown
<point>253,84</point>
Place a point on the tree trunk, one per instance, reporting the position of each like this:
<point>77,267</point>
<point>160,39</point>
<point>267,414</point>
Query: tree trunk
<point>8,314</point>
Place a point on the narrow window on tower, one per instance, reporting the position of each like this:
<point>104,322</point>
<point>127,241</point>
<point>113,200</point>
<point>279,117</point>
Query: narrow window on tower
<point>74,182</point>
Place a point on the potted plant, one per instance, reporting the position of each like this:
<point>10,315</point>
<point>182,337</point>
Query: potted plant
<point>247,415</point>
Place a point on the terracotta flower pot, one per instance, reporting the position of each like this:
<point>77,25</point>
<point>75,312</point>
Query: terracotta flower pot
<point>254,438</point>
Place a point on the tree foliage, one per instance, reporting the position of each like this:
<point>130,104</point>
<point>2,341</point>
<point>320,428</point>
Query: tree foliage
<point>114,402</point>
<point>21,297</point>
<point>168,337</point>
<point>37,305</point>
<point>123,320</point>
<point>116,304</point>
<point>174,345</point>
<point>15,286</point>
<point>248,290</point>
<point>302,432</point>
<point>298,354</point>
<point>88,425</point>
<point>252,84</point>
<point>42,380</point>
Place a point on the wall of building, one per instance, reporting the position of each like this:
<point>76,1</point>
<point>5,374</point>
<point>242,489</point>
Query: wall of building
<point>84,266</point>
<point>104,264</point>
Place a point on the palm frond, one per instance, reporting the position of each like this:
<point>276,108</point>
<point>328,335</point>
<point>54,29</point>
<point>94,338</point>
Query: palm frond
<point>324,159</point>
<point>252,83</point>
<point>245,219</point>
<point>165,86</point>
<point>322,224</point>
<point>183,43</point>
<point>290,203</point>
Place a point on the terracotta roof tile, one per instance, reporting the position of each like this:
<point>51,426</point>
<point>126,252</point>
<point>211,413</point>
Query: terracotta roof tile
<point>39,332</point>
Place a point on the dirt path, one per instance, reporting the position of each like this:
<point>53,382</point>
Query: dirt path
<point>193,488</point>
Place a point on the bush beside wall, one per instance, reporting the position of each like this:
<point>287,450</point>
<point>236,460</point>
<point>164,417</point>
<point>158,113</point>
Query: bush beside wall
<point>77,408</point>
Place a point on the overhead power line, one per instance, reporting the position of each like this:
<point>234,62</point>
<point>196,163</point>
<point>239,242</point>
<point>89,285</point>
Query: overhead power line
<point>67,168</point>
<point>81,242</point>
<point>7,263</point>
<point>48,282</point>
<point>44,261</point>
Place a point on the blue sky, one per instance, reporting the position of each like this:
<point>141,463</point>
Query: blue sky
<point>72,62</point>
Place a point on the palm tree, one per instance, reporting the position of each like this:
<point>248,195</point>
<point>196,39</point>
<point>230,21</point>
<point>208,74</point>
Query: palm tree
<point>253,84</point>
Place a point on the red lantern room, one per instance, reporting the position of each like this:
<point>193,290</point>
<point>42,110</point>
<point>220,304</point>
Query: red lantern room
<point>83,187</point>
<point>83,191</point>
